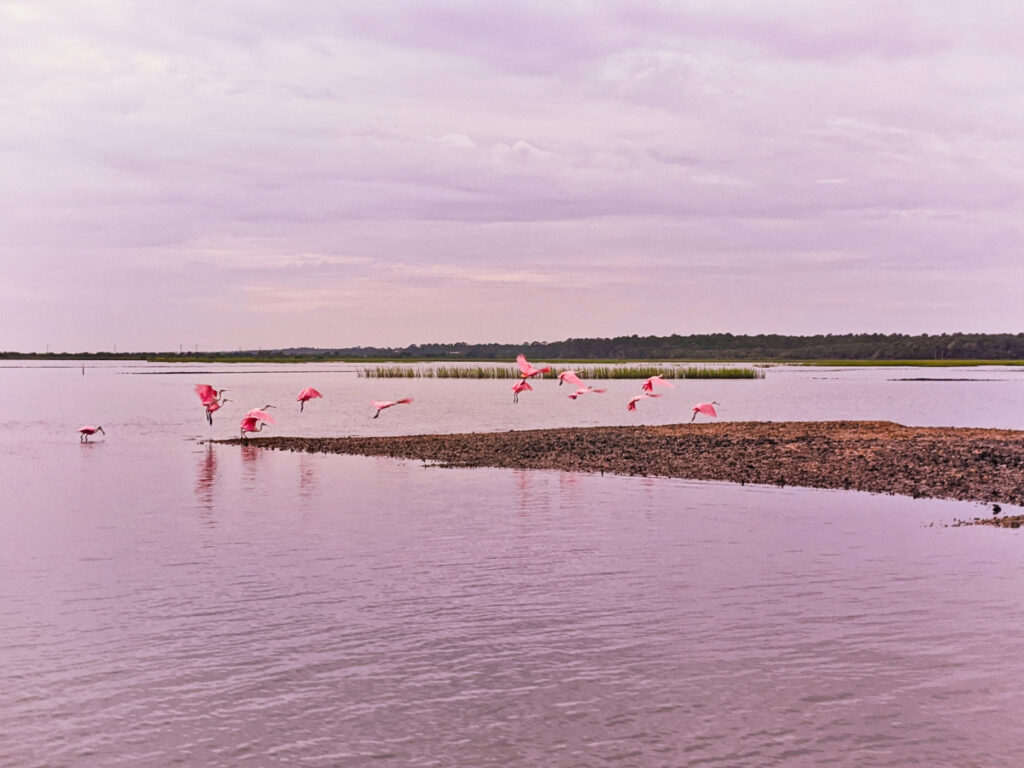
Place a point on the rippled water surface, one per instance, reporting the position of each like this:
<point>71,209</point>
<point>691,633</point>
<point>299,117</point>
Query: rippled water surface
<point>168,602</point>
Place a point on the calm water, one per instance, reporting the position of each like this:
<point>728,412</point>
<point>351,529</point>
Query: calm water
<point>165,602</point>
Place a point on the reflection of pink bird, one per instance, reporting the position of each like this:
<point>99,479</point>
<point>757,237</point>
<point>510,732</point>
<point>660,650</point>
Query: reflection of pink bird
<point>584,390</point>
<point>380,405</point>
<point>207,396</point>
<point>528,371</point>
<point>708,409</point>
<point>254,420</point>
<point>88,429</point>
<point>571,378</point>
<point>648,385</point>
<point>307,394</point>
<point>520,386</point>
<point>631,405</point>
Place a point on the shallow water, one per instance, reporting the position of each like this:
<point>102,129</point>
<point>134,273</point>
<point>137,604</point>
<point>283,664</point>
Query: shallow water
<point>164,601</point>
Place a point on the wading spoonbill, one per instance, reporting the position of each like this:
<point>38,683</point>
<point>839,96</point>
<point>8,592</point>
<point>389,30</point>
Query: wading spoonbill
<point>88,429</point>
<point>254,420</point>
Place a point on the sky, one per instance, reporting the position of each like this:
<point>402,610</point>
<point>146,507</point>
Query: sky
<point>249,174</point>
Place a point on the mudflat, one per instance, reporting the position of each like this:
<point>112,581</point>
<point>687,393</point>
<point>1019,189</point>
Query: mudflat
<point>983,465</point>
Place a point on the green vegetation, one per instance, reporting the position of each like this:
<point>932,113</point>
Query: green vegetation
<point>843,349</point>
<point>915,363</point>
<point>584,372</point>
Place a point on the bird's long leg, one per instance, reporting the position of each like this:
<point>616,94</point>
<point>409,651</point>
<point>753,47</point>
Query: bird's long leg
<point>376,414</point>
<point>693,417</point>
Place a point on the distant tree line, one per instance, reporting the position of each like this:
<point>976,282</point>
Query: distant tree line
<point>713,346</point>
<point>727,346</point>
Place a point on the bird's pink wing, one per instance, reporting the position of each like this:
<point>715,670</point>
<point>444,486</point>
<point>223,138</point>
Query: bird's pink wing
<point>598,391</point>
<point>524,366</point>
<point>707,409</point>
<point>403,401</point>
<point>308,394</point>
<point>248,423</point>
<point>88,429</point>
<point>571,378</point>
<point>207,394</point>
<point>259,415</point>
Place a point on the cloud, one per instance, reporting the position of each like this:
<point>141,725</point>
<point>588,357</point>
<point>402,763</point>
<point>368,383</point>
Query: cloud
<point>343,156</point>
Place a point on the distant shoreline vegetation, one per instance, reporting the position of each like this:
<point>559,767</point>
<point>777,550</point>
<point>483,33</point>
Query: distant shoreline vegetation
<point>620,371</point>
<point>843,349</point>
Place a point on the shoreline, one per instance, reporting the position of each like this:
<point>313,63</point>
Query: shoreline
<point>965,464</point>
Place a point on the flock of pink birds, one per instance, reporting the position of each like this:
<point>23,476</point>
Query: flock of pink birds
<point>528,371</point>
<point>254,420</point>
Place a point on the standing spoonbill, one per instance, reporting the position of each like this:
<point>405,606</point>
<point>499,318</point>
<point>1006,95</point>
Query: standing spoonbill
<point>307,394</point>
<point>380,405</point>
<point>584,390</point>
<point>631,405</point>
<point>708,409</point>
<point>571,377</point>
<point>254,420</point>
<point>520,386</point>
<point>88,429</point>
<point>648,385</point>
<point>527,370</point>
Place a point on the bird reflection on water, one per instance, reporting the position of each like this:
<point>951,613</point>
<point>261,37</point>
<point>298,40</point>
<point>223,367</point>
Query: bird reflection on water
<point>206,476</point>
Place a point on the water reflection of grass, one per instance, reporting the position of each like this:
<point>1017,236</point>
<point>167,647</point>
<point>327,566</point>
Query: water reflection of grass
<point>624,371</point>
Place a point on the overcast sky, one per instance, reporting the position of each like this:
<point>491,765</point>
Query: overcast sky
<point>265,174</point>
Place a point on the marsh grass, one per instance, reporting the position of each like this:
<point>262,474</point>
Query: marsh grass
<point>626,371</point>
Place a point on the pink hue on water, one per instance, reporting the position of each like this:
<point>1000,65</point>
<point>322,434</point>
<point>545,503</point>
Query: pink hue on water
<point>167,601</point>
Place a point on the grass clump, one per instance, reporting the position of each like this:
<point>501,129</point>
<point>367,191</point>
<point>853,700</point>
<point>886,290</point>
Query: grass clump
<point>625,371</point>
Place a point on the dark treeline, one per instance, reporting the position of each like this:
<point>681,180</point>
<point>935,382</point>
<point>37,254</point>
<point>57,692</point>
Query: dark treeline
<point>715,346</point>
<point>726,346</point>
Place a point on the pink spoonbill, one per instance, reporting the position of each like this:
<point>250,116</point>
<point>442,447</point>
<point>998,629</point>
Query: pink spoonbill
<point>520,386</point>
<point>254,420</point>
<point>708,409</point>
<point>631,405</point>
<point>88,429</point>
<point>527,370</point>
<point>648,385</point>
<point>584,390</point>
<point>570,377</point>
<point>380,405</point>
<point>207,396</point>
<point>307,394</point>
<point>214,406</point>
